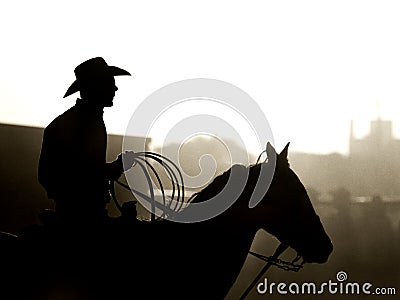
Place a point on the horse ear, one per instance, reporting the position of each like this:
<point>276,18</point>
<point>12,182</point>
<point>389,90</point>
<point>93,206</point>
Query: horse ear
<point>270,151</point>
<point>284,153</point>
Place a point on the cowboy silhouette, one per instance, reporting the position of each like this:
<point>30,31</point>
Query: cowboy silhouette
<point>72,165</point>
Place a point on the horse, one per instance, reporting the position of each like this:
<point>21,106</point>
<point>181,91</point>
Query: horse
<point>165,258</point>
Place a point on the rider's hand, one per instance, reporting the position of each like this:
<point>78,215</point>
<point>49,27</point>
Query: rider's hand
<point>123,163</point>
<point>128,159</point>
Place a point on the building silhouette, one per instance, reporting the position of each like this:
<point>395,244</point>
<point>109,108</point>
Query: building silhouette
<point>371,167</point>
<point>377,156</point>
<point>379,143</point>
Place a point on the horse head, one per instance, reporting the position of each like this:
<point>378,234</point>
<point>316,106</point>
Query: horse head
<point>287,213</point>
<point>284,209</point>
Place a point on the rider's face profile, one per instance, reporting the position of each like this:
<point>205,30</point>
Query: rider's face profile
<point>101,91</point>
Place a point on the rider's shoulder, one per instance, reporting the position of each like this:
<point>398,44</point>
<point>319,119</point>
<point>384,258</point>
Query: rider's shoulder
<point>67,118</point>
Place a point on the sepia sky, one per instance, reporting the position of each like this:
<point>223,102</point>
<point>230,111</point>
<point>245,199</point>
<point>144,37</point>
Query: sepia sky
<point>311,66</point>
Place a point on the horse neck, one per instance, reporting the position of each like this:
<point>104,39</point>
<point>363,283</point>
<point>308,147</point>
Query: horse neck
<point>226,246</point>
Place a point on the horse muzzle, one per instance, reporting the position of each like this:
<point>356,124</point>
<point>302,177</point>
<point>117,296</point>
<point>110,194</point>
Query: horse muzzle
<point>317,252</point>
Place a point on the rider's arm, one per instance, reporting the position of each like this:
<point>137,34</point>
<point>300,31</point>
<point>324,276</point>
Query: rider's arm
<point>114,169</point>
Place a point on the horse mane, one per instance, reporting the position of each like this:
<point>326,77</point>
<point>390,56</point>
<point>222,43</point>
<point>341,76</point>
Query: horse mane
<point>220,181</point>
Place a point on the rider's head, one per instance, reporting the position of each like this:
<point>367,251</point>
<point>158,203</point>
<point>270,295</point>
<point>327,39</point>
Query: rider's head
<point>95,81</point>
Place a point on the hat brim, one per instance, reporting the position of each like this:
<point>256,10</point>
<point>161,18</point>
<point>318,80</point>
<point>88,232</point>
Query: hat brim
<point>111,70</point>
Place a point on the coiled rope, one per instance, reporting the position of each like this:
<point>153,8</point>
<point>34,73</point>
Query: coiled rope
<point>169,206</point>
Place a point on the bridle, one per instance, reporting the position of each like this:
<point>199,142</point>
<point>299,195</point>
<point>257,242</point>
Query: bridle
<point>273,260</point>
<point>178,197</point>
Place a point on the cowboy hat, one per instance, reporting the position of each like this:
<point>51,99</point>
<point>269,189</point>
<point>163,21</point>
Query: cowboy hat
<point>91,69</point>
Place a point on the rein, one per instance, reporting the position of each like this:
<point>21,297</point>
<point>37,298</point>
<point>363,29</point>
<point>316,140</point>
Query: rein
<point>281,264</point>
<point>273,261</point>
